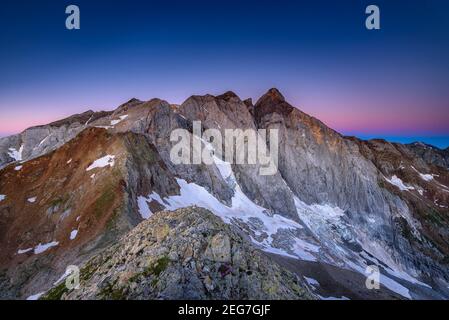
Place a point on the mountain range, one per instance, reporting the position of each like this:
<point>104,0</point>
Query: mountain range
<point>98,190</point>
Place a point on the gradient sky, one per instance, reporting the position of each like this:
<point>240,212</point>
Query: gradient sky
<point>391,83</point>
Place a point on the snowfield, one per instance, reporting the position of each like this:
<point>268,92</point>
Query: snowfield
<point>102,162</point>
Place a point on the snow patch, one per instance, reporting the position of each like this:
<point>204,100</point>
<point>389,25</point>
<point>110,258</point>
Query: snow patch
<point>333,298</point>
<point>16,155</point>
<point>44,247</point>
<point>18,168</point>
<point>114,122</point>
<point>35,296</point>
<point>68,162</point>
<point>66,273</point>
<point>73,234</point>
<point>398,183</point>
<point>420,191</point>
<point>32,200</point>
<point>102,162</point>
<point>312,282</point>
<point>394,286</point>
<point>2,197</point>
<point>144,210</point>
<point>425,177</point>
<point>22,251</point>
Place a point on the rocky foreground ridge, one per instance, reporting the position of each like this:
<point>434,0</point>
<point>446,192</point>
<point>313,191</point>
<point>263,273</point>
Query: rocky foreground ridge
<point>185,254</point>
<point>72,189</point>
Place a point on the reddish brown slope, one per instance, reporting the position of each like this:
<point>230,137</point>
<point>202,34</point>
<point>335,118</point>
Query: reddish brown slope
<point>99,203</point>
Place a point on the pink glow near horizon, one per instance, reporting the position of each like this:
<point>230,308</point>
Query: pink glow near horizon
<point>336,112</point>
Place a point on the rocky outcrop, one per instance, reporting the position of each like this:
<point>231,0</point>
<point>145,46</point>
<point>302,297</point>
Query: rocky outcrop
<point>39,140</point>
<point>430,154</point>
<point>185,254</point>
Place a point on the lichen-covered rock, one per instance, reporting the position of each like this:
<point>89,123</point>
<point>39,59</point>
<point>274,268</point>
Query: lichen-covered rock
<point>186,254</point>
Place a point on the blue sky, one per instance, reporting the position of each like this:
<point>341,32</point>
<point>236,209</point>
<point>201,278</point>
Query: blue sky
<point>392,82</point>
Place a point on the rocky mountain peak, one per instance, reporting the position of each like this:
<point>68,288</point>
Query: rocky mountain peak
<point>271,102</point>
<point>228,95</point>
<point>275,94</point>
<point>129,104</point>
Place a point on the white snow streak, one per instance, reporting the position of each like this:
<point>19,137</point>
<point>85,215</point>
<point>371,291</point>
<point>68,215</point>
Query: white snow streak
<point>114,122</point>
<point>35,296</point>
<point>22,251</point>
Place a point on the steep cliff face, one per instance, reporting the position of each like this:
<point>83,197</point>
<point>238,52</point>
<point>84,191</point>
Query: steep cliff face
<point>423,186</point>
<point>334,200</point>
